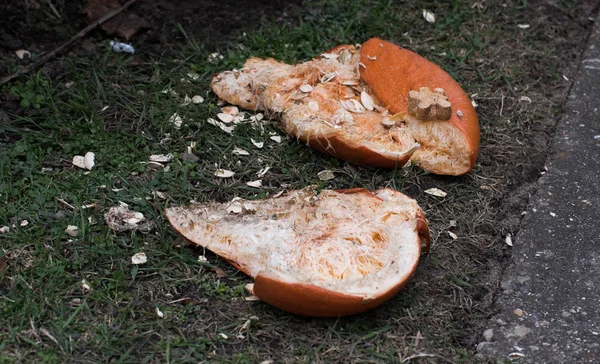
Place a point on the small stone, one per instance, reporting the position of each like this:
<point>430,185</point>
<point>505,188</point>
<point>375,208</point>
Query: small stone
<point>523,279</point>
<point>521,331</point>
<point>488,334</point>
<point>565,314</point>
<point>518,312</point>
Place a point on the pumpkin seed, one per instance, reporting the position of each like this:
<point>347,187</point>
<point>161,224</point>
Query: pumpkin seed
<point>328,77</point>
<point>367,101</point>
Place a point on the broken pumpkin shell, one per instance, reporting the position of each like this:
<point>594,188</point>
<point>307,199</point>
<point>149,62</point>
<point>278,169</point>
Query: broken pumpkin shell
<point>306,252</point>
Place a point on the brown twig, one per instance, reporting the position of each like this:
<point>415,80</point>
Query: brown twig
<point>84,31</point>
<point>53,9</point>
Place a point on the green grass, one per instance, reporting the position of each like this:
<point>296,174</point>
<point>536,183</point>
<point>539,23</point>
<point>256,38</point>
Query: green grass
<point>113,105</point>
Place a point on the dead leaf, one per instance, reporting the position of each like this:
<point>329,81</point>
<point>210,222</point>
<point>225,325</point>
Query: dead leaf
<point>124,25</point>
<point>219,272</point>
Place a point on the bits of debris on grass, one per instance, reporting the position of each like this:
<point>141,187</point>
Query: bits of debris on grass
<point>325,175</point>
<point>4,229</point>
<point>226,118</point>
<point>435,192</point>
<point>24,223</point>
<point>428,16</point>
<point>257,144</point>
<point>263,171</point>
<point>508,240</point>
<point>72,230</point>
<point>220,125</point>
<point>197,99</point>
<point>120,218</point>
<point>120,47</point>
<point>452,235</point>
<point>523,26</point>
<point>239,151</point>
<point>170,91</point>
<point>525,98</point>
<point>255,184</point>
<point>250,289</point>
<point>161,158</point>
<point>186,101</point>
<point>84,162</point>
<point>139,258</point>
<point>176,120</point>
<point>85,286</point>
<point>202,259</point>
<point>23,54</point>
<point>215,56</point>
<point>224,173</point>
<point>275,138</point>
<point>220,273</point>
<point>159,313</point>
<point>190,157</point>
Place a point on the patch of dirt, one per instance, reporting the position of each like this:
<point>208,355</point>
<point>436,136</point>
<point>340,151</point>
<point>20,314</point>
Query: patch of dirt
<point>40,30</point>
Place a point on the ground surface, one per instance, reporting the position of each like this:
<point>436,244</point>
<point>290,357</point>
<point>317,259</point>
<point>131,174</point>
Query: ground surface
<point>548,306</point>
<point>514,58</point>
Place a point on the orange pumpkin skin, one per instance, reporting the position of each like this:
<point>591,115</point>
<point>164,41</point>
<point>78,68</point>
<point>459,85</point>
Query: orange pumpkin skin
<point>392,71</point>
<point>309,300</point>
<point>360,155</point>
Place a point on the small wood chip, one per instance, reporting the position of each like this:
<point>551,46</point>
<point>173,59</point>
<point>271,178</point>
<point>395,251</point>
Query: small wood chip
<point>313,105</point>
<point>429,105</point>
